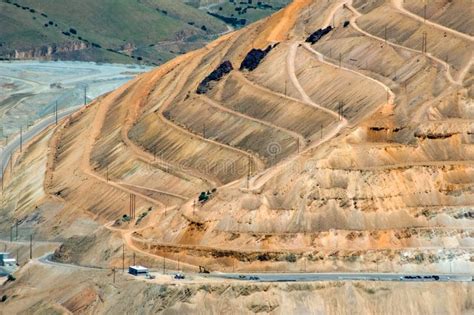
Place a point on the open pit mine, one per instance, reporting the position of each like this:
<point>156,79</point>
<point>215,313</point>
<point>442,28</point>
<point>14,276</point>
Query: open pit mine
<point>318,161</point>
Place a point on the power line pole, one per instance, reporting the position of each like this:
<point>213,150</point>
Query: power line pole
<point>132,206</point>
<point>21,139</point>
<point>56,113</point>
<point>321,131</point>
<point>3,173</point>
<point>113,272</point>
<point>85,95</point>
<point>424,13</point>
<point>340,109</point>
<point>164,264</point>
<point>123,257</point>
<point>31,246</point>
<point>248,172</point>
<point>424,43</point>
<point>134,259</point>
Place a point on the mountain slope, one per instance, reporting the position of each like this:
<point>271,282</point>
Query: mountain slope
<point>345,143</point>
<point>312,140</point>
<point>125,26</point>
<point>125,31</point>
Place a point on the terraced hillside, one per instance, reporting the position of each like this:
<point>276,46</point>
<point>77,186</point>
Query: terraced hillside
<point>351,149</point>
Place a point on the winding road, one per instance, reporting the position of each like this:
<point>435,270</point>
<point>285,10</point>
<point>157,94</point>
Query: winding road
<point>293,277</point>
<point>14,144</point>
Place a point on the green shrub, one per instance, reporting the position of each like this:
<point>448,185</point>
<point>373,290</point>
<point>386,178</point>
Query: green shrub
<point>291,258</point>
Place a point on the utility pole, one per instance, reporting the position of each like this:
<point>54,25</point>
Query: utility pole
<point>113,272</point>
<point>11,234</point>
<point>132,206</point>
<point>424,43</point>
<point>107,172</point>
<point>31,246</point>
<point>85,95</point>
<point>286,83</point>
<point>424,13</point>
<point>340,109</point>
<point>321,131</point>
<point>123,257</point>
<point>134,259</point>
<point>204,130</point>
<point>385,34</point>
<point>340,60</point>
<point>21,139</point>
<point>194,206</point>
<point>2,170</point>
<point>248,172</point>
<point>164,264</point>
<point>56,113</point>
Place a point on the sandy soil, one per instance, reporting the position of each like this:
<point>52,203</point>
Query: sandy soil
<point>380,177</point>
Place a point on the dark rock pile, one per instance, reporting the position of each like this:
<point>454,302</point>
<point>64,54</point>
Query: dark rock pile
<point>254,57</point>
<point>316,36</point>
<point>223,69</point>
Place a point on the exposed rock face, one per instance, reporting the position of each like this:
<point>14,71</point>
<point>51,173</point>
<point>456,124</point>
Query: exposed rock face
<point>316,36</point>
<point>223,69</point>
<point>254,57</point>
<point>46,51</point>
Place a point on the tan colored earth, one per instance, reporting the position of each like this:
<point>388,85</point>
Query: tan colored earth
<point>355,153</point>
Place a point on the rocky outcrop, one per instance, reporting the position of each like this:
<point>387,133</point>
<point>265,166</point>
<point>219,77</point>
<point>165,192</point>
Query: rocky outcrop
<point>223,69</point>
<point>46,51</point>
<point>254,57</point>
<point>316,36</point>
